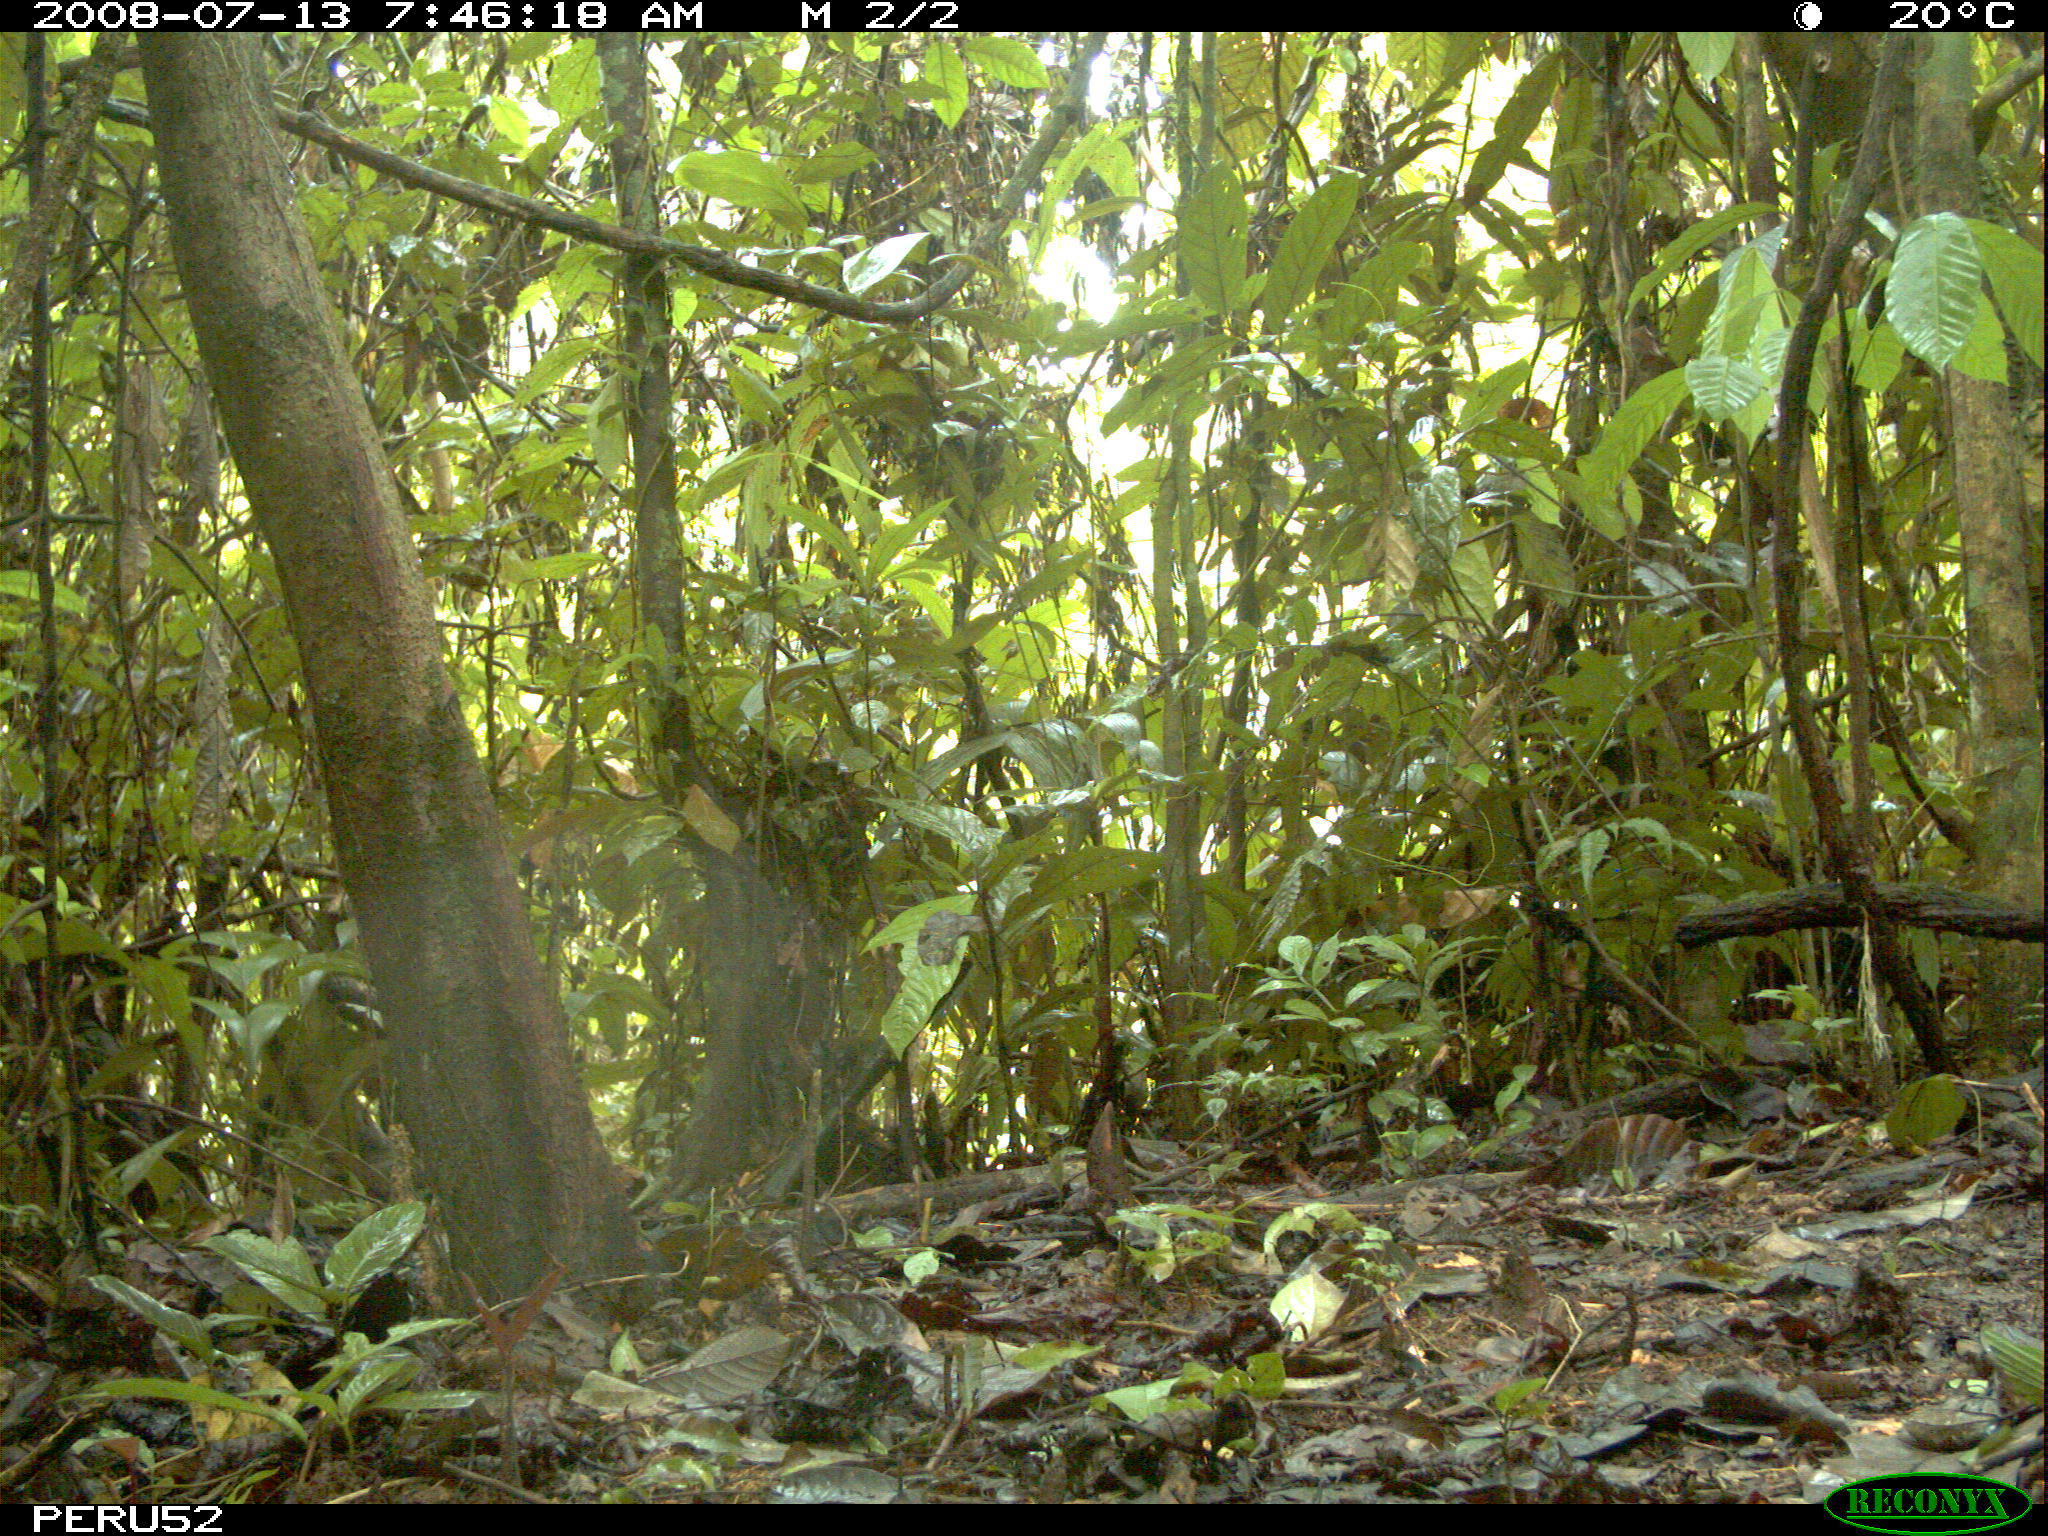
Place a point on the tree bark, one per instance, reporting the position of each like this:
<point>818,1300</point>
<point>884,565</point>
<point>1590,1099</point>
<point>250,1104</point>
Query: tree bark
<point>483,1077</point>
<point>1828,906</point>
<point>1993,520</point>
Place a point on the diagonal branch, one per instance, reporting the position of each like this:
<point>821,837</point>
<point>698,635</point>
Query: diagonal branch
<point>1067,112</point>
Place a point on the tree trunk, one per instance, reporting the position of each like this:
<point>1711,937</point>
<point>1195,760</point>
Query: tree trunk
<point>483,1077</point>
<point>1992,517</point>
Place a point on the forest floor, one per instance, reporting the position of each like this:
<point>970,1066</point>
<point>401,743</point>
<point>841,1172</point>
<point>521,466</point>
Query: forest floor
<point>1754,1307</point>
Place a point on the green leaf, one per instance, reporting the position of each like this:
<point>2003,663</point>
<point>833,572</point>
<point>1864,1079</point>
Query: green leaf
<point>573,81</point>
<point>1628,432</point>
<point>511,122</point>
<point>1723,387</point>
<point>1747,293</point>
<point>145,1163</point>
<point>180,1327</point>
<point>1435,62</point>
<point>374,1244</point>
<point>1105,152</point>
<point>1983,350</point>
<point>22,584</point>
<point>1213,222</point>
<point>966,831</point>
<point>1309,1218</point>
<point>1477,578</point>
<point>1306,1306</point>
<point>2014,268</point>
<point>376,1378</point>
<point>283,1269</point>
<point>200,1397</point>
<point>1540,552</point>
<point>1926,1111</point>
<point>424,1402</point>
<point>924,988</point>
<point>1936,288</point>
<point>878,262</point>
<point>1592,849</point>
<point>552,364</point>
<point>520,572</point>
<point>830,162</point>
<point>945,76</point>
<point>1706,53</point>
<point>1512,130</point>
<point>745,180</point>
<point>1141,1402</point>
<point>1312,234</point>
<point>1008,59</point>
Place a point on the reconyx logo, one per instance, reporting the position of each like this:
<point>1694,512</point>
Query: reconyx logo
<point>1922,1502</point>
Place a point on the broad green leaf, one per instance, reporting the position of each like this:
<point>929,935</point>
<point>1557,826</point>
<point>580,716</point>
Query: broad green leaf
<point>745,180</point>
<point>1925,1112</point>
<point>1008,59</point>
<point>1592,849</point>
<point>1540,552</point>
<point>374,1244</point>
<point>1308,1218</point>
<point>1213,221</point>
<point>1434,62</point>
<point>1982,355</point>
<point>1108,155</point>
<point>962,828</point>
<point>1935,288</point>
<point>757,401</point>
<point>1311,236</point>
<point>180,1327</point>
<point>511,122</point>
<point>1083,872</point>
<point>945,76</point>
<point>1628,432</point>
<point>1706,53</point>
<point>1143,1401</point>
<point>374,1380</point>
<point>149,1159</point>
<point>283,1269</point>
<point>1477,577</point>
<point>22,584</point>
<point>520,572</point>
<point>573,81</point>
<point>1748,291</point>
<point>1723,387</point>
<point>1484,400</point>
<point>253,1029</point>
<point>551,365</point>
<point>1306,1306</point>
<point>831,162</point>
<point>704,817</point>
<point>2014,268</point>
<point>2017,1358</point>
<point>924,988</point>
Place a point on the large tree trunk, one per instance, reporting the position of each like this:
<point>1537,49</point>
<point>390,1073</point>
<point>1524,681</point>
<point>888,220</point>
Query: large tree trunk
<point>1994,520</point>
<point>484,1081</point>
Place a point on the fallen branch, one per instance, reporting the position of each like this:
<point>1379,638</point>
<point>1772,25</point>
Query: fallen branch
<point>1938,907</point>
